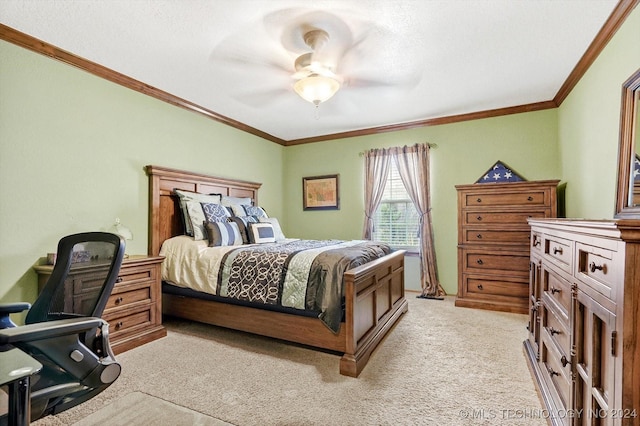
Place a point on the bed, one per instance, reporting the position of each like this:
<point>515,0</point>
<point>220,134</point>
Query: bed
<point>373,301</point>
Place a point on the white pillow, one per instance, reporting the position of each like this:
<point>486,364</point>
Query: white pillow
<point>277,230</point>
<point>184,196</point>
<point>196,219</point>
<point>195,196</point>
<point>230,201</point>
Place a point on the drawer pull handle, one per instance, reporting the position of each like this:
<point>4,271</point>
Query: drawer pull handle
<point>479,218</point>
<point>529,198</point>
<point>479,200</point>
<point>554,290</point>
<point>119,325</point>
<point>118,300</point>
<point>479,286</point>
<point>479,262</point>
<point>552,372</point>
<point>119,280</point>
<point>553,331</point>
<point>564,361</point>
<point>557,250</point>
<point>593,267</point>
<point>479,236</point>
<point>536,242</point>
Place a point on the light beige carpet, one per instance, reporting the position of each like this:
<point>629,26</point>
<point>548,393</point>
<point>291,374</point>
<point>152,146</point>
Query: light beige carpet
<point>440,365</point>
<point>138,408</point>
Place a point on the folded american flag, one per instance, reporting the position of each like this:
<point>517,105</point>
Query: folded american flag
<point>500,173</point>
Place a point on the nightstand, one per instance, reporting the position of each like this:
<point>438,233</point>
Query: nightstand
<point>134,310</point>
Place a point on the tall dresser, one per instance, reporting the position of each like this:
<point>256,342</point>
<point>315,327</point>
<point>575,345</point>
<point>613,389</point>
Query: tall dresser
<point>493,241</point>
<point>583,346</point>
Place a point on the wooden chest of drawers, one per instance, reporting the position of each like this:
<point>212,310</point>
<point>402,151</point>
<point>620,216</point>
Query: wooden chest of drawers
<point>583,346</point>
<point>134,311</point>
<point>493,241</point>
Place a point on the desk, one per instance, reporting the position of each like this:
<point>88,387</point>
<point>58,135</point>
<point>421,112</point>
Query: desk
<point>16,368</point>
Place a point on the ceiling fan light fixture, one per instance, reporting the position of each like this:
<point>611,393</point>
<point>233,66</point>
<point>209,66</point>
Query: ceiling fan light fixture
<point>316,88</point>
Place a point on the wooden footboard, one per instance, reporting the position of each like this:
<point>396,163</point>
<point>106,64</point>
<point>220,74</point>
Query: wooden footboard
<point>375,300</point>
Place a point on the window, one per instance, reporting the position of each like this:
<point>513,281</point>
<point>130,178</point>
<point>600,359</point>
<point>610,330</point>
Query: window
<point>396,222</point>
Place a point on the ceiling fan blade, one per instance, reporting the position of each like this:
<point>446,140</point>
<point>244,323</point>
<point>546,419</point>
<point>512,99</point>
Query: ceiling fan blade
<point>262,98</point>
<point>406,81</point>
<point>243,57</point>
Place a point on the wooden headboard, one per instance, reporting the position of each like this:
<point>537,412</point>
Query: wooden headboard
<point>164,212</point>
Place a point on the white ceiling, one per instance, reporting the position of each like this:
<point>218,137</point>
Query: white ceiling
<point>427,58</point>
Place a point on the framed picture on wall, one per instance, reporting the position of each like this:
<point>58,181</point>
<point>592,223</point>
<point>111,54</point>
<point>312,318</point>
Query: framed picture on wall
<point>320,193</point>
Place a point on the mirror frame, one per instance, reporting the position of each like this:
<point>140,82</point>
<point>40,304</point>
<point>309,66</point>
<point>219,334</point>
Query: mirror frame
<point>626,149</point>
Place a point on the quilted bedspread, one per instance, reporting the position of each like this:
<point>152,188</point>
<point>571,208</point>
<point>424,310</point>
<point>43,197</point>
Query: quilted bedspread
<point>300,274</point>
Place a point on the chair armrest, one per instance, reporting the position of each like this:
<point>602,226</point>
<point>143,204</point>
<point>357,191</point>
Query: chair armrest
<point>15,364</point>
<point>48,329</point>
<point>13,308</point>
<point>7,309</point>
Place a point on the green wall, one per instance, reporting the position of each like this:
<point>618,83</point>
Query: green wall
<point>589,124</point>
<point>73,148</point>
<point>465,151</point>
<point>72,153</point>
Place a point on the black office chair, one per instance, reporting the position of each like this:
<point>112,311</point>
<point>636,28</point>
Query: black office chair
<point>63,329</point>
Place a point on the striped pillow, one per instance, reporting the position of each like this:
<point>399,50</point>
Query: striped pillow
<point>242,222</point>
<point>223,234</point>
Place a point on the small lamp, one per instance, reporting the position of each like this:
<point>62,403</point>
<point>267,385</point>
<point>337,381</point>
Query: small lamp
<point>123,231</point>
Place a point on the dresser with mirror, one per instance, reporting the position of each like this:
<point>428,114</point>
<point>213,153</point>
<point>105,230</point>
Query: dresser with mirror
<point>583,344</point>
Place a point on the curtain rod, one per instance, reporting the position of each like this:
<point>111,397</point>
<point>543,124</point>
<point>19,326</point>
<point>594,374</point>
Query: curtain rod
<point>431,145</point>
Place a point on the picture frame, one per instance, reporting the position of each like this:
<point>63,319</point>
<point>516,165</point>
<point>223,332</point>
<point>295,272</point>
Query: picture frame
<point>321,192</point>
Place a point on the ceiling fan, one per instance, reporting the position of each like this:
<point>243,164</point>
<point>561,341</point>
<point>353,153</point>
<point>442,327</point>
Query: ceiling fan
<point>315,53</point>
<point>316,80</point>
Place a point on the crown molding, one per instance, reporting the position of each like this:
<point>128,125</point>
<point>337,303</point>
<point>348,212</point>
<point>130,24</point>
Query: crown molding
<point>613,23</point>
<point>31,43</point>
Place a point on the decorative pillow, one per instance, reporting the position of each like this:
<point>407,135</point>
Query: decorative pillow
<point>254,211</point>
<point>237,210</point>
<point>184,196</point>
<point>214,212</point>
<point>261,233</point>
<point>277,230</point>
<point>223,234</point>
<point>242,222</point>
<point>196,219</point>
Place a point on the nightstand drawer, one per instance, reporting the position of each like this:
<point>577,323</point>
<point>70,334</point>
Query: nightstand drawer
<point>121,324</point>
<point>123,299</point>
<point>136,274</point>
